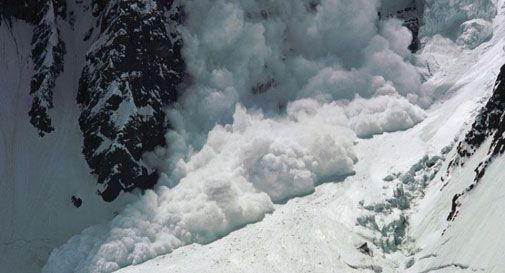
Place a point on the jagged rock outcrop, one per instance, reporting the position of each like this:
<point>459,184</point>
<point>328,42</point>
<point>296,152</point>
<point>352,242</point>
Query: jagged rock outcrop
<point>48,51</point>
<point>47,55</point>
<point>131,74</point>
<point>490,123</point>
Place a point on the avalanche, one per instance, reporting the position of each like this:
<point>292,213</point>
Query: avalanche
<point>269,57</point>
<point>320,232</point>
<point>297,136</point>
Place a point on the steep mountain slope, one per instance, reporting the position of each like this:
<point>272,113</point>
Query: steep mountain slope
<point>47,52</point>
<point>132,71</point>
<point>106,120</point>
<point>234,108</point>
<point>39,176</point>
<point>465,233</point>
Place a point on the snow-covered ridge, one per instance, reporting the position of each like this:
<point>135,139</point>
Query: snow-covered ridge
<point>487,129</point>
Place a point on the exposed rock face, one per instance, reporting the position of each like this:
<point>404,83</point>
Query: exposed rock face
<point>489,123</point>
<point>131,74</point>
<point>47,55</point>
<point>48,51</point>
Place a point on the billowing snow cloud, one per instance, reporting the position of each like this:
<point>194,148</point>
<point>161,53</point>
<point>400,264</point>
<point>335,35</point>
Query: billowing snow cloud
<point>373,116</point>
<point>264,54</point>
<point>277,91</point>
<point>231,181</point>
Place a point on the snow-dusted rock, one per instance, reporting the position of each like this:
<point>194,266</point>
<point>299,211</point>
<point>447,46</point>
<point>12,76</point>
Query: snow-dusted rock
<point>131,74</point>
<point>47,55</point>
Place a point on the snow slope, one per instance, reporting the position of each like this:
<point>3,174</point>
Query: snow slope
<point>318,233</point>
<point>39,176</point>
<point>474,239</point>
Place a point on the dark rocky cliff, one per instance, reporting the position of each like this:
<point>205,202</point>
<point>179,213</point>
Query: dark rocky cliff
<point>131,73</point>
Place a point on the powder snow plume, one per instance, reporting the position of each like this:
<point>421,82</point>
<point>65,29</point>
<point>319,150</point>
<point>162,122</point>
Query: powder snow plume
<point>278,92</point>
